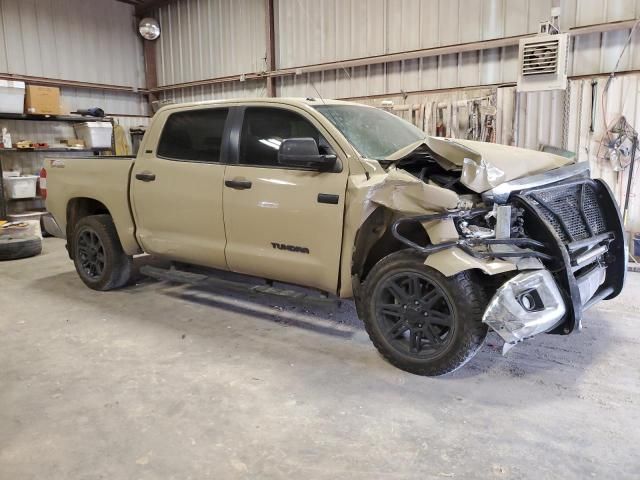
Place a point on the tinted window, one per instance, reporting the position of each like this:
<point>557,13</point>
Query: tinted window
<point>264,129</point>
<point>193,135</point>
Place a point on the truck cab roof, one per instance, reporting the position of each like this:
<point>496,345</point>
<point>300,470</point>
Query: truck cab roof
<point>294,101</point>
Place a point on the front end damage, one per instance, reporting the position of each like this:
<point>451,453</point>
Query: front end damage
<point>552,240</point>
<point>579,224</point>
<point>528,304</point>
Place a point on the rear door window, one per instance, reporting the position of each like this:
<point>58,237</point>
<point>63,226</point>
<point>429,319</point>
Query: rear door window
<point>194,135</point>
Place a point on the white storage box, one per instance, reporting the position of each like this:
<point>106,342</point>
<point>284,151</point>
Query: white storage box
<point>21,187</point>
<point>11,96</point>
<point>95,134</point>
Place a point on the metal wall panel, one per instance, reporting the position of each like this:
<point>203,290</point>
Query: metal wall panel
<point>578,13</point>
<point>565,120</point>
<point>85,40</point>
<point>621,99</point>
<point>431,73</point>
<point>317,31</point>
<point>210,38</point>
<point>215,38</point>
<point>588,55</point>
<point>113,103</point>
<point>250,88</point>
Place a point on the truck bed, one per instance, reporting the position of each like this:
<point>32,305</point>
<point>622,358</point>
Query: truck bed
<point>102,179</point>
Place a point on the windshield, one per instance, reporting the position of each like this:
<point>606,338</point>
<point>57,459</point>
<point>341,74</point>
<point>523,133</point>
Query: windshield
<point>373,132</point>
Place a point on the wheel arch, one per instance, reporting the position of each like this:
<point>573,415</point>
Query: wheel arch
<point>374,241</point>
<point>77,209</point>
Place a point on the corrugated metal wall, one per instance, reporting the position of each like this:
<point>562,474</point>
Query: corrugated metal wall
<point>210,38</point>
<point>312,31</point>
<point>82,40</point>
<point>621,98</point>
<point>588,54</point>
<point>250,88</point>
<point>85,40</point>
<point>113,103</point>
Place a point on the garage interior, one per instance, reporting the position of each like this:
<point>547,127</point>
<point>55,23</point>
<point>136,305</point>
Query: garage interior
<point>163,379</point>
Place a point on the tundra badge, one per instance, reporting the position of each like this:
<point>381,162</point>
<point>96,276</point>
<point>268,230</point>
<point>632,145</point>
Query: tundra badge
<point>291,248</point>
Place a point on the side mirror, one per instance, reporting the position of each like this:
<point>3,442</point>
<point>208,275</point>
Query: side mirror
<point>304,153</point>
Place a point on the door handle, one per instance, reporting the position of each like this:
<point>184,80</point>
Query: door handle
<point>329,198</point>
<point>146,176</point>
<point>238,184</point>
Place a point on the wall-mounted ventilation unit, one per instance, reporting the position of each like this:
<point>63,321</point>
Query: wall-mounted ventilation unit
<point>543,63</point>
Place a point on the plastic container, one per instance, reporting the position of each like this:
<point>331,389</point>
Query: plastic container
<point>21,187</point>
<point>95,134</point>
<point>11,173</point>
<point>11,96</point>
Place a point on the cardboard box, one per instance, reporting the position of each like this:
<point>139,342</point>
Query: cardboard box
<point>42,100</point>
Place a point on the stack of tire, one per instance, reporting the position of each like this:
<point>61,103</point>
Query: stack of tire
<point>20,241</point>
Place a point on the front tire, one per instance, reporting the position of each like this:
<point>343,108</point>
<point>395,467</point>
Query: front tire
<point>418,319</point>
<point>97,254</point>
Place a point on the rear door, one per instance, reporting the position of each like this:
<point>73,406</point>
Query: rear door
<point>282,223</point>
<point>176,189</point>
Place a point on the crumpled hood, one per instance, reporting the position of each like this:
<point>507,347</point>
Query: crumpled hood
<point>485,165</point>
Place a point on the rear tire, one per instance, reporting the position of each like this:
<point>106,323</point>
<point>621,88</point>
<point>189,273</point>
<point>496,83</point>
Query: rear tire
<point>97,254</point>
<point>418,319</point>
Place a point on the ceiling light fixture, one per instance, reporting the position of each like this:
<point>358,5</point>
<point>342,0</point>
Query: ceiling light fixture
<point>149,28</point>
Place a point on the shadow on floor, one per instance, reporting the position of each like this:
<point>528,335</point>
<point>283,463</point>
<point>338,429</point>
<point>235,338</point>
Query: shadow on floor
<point>566,357</point>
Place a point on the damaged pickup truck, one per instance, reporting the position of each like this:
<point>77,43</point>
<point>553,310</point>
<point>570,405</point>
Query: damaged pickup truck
<point>437,240</point>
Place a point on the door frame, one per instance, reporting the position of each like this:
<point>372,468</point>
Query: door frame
<point>150,155</point>
<point>236,117</point>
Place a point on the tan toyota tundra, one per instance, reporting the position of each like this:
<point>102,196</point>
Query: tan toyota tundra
<point>436,239</point>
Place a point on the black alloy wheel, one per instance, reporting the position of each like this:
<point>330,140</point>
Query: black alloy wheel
<point>419,319</point>
<point>415,314</point>
<point>97,253</point>
<point>91,253</point>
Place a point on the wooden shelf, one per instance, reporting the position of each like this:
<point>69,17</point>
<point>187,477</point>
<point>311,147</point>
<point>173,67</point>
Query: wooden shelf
<point>52,150</point>
<point>52,118</point>
<point>48,118</point>
<point>28,199</point>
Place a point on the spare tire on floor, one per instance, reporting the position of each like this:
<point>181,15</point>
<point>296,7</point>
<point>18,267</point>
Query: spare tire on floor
<point>12,248</point>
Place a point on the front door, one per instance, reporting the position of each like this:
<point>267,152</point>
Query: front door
<point>177,189</point>
<point>283,223</point>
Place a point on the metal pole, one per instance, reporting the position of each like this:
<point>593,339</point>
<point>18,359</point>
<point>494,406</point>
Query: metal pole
<point>3,203</point>
<point>629,179</point>
<point>270,58</point>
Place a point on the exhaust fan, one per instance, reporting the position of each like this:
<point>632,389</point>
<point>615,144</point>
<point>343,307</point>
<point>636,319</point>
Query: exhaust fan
<point>543,63</point>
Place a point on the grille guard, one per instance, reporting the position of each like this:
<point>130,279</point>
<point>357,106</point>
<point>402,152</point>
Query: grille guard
<point>577,250</point>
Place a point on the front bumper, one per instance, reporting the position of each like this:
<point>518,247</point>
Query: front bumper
<point>580,225</point>
<point>528,304</point>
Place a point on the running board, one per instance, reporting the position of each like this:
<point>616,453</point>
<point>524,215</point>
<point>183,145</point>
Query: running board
<point>199,279</point>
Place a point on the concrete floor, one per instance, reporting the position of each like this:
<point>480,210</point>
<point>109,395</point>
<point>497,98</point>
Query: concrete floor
<point>165,381</point>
